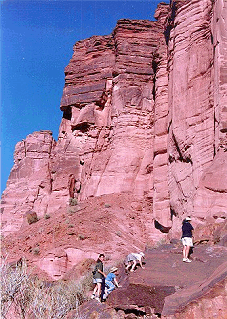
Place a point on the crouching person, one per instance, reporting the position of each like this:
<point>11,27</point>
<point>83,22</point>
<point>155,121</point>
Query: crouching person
<point>133,260</point>
<point>110,282</point>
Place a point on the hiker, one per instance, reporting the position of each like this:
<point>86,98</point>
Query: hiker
<point>98,278</point>
<point>133,259</point>
<point>186,238</point>
<point>111,282</point>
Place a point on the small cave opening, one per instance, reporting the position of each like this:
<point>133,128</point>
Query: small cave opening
<point>188,160</point>
<point>171,158</point>
<point>67,113</point>
<point>163,229</point>
<point>79,189</point>
<point>83,127</point>
<point>115,73</point>
<point>97,42</point>
<point>101,102</point>
<point>94,56</point>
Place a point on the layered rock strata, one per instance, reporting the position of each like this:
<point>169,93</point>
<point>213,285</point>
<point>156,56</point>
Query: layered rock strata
<point>29,185</point>
<point>113,122</point>
<point>106,135</point>
<point>145,123</point>
<point>144,112</point>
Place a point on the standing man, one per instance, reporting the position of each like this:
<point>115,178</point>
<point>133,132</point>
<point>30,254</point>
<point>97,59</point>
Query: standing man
<point>98,278</point>
<point>186,238</point>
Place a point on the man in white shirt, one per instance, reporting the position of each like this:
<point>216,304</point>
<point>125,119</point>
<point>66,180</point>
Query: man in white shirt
<point>133,259</point>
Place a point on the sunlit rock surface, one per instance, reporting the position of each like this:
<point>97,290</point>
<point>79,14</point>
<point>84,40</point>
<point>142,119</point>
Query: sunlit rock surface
<point>142,144</point>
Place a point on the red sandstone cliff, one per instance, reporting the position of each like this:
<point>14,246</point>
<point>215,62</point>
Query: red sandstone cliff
<point>144,121</point>
<point>144,113</point>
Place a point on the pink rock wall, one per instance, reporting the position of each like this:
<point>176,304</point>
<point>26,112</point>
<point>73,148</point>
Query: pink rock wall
<point>60,261</point>
<point>191,110</point>
<point>112,123</point>
<point>29,184</point>
<point>219,27</point>
<point>161,207</point>
<point>197,99</point>
<point>144,112</point>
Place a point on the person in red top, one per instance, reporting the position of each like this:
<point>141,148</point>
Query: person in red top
<point>186,238</point>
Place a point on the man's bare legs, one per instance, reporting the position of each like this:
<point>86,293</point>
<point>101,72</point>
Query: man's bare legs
<point>134,265</point>
<point>99,285</point>
<point>129,265</point>
<point>97,289</point>
<point>186,250</point>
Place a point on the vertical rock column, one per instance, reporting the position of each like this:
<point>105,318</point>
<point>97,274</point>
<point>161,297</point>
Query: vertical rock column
<point>211,195</point>
<point>130,164</point>
<point>29,183</point>
<point>219,31</point>
<point>191,120</point>
<point>86,105</point>
<point>161,209</point>
<point>108,109</point>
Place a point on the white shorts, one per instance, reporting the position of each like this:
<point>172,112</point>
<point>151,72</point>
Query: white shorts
<point>96,280</point>
<point>187,241</point>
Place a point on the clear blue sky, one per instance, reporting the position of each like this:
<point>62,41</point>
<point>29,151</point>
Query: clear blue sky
<point>37,39</point>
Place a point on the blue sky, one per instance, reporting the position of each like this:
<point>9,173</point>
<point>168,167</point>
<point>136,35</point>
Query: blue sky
<point>37,39</point>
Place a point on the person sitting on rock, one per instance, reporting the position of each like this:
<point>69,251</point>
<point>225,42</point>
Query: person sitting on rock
<point>110,282</point>
<point>133,259</point>
<point>186,238</point>
<point>98,278</point>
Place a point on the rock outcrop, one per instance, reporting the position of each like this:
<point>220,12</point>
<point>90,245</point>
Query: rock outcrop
<point>111,112</point>
<point>144,113</point>
<point>197,139</point>
<point>168,288</point>
<point>29,185</point>
<point>144,128</point>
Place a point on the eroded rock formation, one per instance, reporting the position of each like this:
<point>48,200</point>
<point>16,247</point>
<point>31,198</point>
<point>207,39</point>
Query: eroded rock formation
<point>196,116</point>
<point>144,118</point>
<point>143,112</point>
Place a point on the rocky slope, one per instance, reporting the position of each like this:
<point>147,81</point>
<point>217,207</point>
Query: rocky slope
<point>168,288</point>
<point>142,143</point>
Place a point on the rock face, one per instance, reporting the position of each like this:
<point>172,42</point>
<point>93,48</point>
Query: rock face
<point>29,185</point>
<point>145,117</point>
<point>106,136</point>
<point>144,113</point>
<point>109,113</point>
<point>197,95</point>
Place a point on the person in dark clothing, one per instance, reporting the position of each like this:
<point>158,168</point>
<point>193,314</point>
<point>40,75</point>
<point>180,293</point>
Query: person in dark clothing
<point>186,238</point>
<point>98,278</point>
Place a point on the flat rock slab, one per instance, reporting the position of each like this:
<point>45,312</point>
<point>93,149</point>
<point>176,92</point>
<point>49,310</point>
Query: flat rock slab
<point>167,277</point>
<point>164,265</point>
<point>177,302</point>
